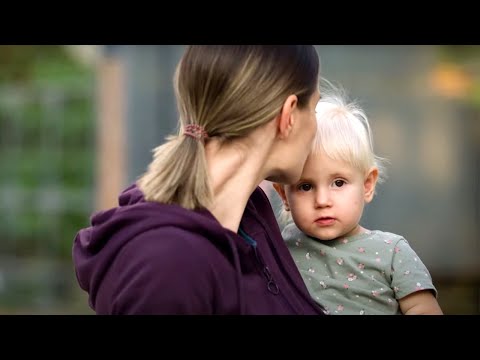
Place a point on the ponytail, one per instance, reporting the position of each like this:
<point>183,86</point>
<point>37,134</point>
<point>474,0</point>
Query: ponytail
<point>178,174</point>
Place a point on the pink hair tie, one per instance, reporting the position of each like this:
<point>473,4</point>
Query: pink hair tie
<point>195,131</point>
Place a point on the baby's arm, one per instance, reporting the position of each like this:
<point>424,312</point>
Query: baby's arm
<point>420,303</point>
<point>412,282</point>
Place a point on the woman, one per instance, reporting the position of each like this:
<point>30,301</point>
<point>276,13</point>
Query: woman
<point>195,234</point>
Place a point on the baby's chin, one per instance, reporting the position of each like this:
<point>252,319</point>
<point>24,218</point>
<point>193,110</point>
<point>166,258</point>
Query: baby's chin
<point>322,238</point>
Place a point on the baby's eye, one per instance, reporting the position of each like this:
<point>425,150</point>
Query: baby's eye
<point>339,183</point>
<point>305,187</point>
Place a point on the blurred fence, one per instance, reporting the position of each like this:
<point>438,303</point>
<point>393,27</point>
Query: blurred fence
<point>47,149</point>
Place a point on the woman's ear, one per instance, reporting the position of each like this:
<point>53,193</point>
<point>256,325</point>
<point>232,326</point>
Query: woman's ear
<point>285,118</point>
<point>281,192</point>
<point>370,183</point>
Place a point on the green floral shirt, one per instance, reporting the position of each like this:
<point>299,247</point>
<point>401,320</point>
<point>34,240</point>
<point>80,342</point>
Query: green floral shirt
<point>365,274</point>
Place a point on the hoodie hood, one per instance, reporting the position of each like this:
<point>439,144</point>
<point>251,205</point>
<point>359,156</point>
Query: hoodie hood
<point>96,246</point>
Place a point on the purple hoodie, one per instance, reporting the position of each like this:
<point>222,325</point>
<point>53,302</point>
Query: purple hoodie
<point>149,258</point>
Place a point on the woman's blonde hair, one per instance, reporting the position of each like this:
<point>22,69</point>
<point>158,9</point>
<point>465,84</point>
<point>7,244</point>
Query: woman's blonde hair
<point>226,90</point>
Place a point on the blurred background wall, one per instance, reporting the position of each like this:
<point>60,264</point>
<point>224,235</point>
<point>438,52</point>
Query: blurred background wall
<point>78,123</point>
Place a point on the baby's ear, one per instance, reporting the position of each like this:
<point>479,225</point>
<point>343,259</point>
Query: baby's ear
<point>370,183</point>
<point>281,192</point>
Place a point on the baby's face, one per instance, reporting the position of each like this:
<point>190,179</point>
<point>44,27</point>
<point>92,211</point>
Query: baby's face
<point>328,201</point>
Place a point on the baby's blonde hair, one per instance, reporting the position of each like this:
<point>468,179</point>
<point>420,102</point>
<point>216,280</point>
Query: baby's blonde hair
<point>343,133</point>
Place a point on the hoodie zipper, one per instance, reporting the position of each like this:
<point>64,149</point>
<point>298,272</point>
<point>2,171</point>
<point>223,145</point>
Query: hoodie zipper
<point>272,286</point>
<point>311,301</point>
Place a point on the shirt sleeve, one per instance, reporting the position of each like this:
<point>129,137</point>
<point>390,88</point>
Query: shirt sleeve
<point>409,273</point>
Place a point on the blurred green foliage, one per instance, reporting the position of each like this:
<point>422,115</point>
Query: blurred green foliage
<point>459,53</point>
<point>467,58</point>
<point>46,149</point>
<point>47,145</point>
<point>41,64</point>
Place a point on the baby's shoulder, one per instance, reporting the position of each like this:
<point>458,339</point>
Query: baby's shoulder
<point>386,237</point>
